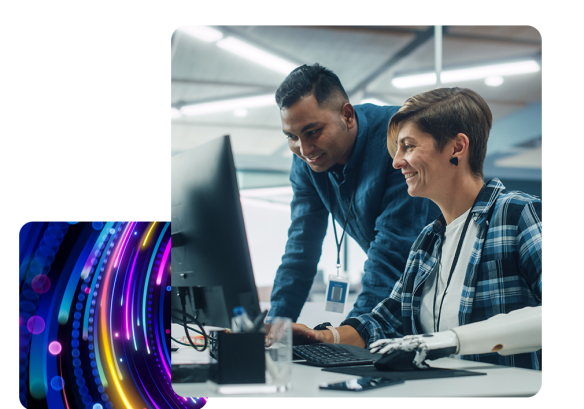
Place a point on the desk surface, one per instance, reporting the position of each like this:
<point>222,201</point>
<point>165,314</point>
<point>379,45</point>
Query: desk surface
<point>499,381</point>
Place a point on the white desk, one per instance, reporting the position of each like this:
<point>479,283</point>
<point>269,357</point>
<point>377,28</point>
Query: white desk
<point>498,381</point>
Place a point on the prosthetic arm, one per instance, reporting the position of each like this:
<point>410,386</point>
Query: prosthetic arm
<point>514,333</point>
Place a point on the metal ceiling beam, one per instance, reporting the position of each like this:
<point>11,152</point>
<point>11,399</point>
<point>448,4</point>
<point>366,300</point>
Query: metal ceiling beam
<point>498,39</point>
<point>371,29</point>
<point>420,39</point>
<point>406,30</point>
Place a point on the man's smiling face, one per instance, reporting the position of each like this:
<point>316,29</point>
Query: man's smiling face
<point>317,135</point>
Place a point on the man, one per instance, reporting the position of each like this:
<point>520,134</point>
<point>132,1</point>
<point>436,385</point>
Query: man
<point>341,166</point>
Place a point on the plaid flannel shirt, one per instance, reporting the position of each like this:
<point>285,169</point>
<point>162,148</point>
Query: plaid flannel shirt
<point>503,274</point>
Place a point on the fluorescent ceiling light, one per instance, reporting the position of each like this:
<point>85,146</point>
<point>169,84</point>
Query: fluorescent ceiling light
<point>256,55</point>
<point>175,113</point>
<point>240,112</point>
<point>494,81</point>
<point>203,33</point>
<point>466,74</point>
<point>228,105</point>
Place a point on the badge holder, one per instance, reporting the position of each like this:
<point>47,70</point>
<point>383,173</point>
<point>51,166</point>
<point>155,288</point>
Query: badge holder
<point>336,294</point>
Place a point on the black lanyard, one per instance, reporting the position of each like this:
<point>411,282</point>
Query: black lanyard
<point>339,243</point>
<point>454,261</point>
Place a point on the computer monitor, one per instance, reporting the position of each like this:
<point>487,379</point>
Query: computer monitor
<point>210,254</point>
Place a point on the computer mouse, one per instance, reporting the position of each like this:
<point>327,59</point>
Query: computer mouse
<point>397,360</point>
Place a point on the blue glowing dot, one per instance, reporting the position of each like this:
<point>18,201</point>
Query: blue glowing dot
<point>121,360</point>
<point>78,372</point>
<point>75,353</point>
<point>104,397</point>
<point>72,222</point>
<point>112,231</point>
<point>75,333</point>
<point>75,343</point>
<point>76,324</point>
<point>97,406</point>
<point>84,390</point>
<point>100,388</point>
<point>78,306</point>
<point>57,383</point>
<point>91,355</point>
<point>77,362</point>
<point>95,372</point>
<point>109,405</point>
<point>80,381</point>
<point>168,288</point>
<point>93,364</point>
<point>97,225</point>
<point>98,382</point>
<point>81,297</point>
<point>135,233</point>
<point>77,315</point>
<point>86,398</point>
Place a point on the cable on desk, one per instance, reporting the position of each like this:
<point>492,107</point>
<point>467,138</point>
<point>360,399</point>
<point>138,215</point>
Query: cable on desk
<point>192,329</point>
<point>182,295</point>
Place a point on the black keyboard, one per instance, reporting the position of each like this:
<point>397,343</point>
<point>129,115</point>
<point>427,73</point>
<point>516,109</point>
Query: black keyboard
<point>327,355</point>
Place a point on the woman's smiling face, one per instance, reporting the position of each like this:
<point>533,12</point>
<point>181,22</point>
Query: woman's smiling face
<point>423,166</point>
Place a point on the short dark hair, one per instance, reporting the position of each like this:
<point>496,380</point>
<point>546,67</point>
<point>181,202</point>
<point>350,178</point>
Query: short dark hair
<point>443,113</point>
<point>310,80</point>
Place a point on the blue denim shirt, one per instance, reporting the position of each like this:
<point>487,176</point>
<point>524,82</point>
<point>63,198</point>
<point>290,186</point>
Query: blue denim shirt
<point>384,219</point>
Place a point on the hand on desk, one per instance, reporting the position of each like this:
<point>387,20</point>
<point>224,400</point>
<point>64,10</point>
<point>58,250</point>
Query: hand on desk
<point>426,346</point>
<point>301,335</point>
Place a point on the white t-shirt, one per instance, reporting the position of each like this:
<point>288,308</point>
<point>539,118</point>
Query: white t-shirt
<point>451,305</point>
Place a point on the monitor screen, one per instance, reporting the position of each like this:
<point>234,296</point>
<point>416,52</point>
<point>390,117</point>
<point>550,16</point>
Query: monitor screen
<point>210,254</point>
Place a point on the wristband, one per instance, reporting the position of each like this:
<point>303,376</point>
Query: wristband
<point>336,336</point>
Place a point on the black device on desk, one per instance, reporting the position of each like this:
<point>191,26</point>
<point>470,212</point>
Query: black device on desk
<point>360,384</point>
<point>330,355</point>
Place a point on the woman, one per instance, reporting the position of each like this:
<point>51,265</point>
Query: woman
<point>481,258</point>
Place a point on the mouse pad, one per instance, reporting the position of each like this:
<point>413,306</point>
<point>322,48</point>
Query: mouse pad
<point>429,373</point>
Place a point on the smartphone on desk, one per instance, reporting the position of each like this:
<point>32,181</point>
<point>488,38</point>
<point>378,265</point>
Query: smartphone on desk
<point>360,384</point>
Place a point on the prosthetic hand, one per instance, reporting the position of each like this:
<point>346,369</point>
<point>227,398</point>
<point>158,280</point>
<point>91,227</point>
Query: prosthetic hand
<point>514,333</point>
<point>427,346</point>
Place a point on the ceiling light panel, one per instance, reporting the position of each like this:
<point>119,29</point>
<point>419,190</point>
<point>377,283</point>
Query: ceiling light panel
<point>203,33</point>
<point>467,74</point>
<point>228,105</point>
<point>256,55</point>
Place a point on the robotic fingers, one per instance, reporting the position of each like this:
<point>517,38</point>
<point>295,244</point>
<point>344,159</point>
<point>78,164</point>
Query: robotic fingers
<point>427,346</point>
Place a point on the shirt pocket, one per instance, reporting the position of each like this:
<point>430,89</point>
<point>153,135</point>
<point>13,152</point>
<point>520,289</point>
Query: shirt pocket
<point>501,288</point>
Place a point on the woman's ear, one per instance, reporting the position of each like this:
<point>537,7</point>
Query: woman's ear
<point>460,146</point>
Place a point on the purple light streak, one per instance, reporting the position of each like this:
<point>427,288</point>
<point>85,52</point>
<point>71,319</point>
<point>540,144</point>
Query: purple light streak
<point>128,295</point>
<point>163,263</point>
<point>124,242</point>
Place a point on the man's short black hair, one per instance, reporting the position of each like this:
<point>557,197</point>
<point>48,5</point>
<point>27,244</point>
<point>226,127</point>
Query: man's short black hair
<point>310,80</point>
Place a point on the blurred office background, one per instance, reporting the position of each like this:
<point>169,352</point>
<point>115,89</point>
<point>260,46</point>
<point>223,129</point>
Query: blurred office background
<point>224,79</point>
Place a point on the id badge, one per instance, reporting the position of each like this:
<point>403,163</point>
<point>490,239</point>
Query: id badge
<point>336,294</point>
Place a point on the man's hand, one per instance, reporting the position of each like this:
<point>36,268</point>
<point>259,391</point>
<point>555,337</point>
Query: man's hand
<point>302,335</point>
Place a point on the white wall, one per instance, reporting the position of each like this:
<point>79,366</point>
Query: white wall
<point>267,219</point>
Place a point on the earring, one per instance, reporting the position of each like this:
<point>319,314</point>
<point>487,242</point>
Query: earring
<point>454,161</point>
